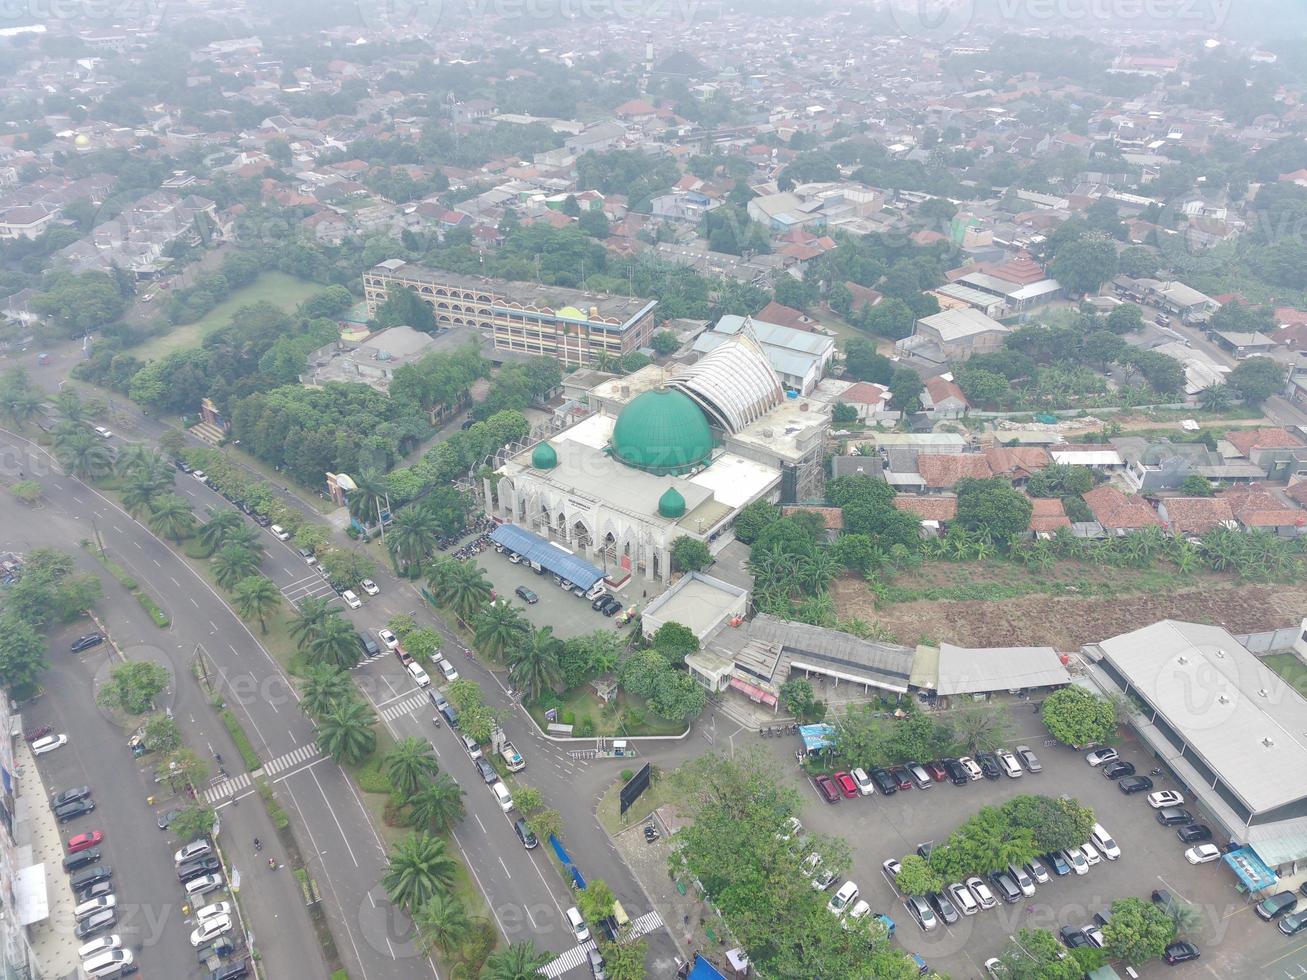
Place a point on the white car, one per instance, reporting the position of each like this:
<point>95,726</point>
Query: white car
<point>1165,798</point>
<point>1076,858</point>
<point>103,432</point>
<point>196,848</point>
<point>97,946</point>
<point>369,586</point>
<point>1094,934</point>
<point>210,929</point>
<point>891,868</point>
<point>972,767</point>
<point>48,744</point>
<point>1099,756</point>
<point>209,911</point>
<point>963,899</point>
<point>279,532</point>
<point>860,910</point>
<point>1010,765</point>
<point>418,674</point>
<point>448,670</point>
<point>793,828</point>
<point>1103,841</point>
<point>1202,854</point>
<point>1091,854</point>
<point>984,897</point>
<point>577,922</point>
<point>865,785</point>
<point>995,968</point>
<point>351,600</point>
<point>199,475</point>
<point>388,639</point>
<point>841,899</point>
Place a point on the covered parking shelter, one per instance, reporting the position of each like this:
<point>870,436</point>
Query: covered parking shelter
<point>547,555</point>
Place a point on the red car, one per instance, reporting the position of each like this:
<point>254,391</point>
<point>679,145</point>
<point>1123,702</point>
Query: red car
<point>82,841</point>
<point>847,786</point>
<point>826,786</point>
<point>902,776</point>
<point>936,771</point>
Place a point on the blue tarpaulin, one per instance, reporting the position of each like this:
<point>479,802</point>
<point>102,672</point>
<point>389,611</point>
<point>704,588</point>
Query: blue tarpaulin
<point>817,737</point>
<point>1251,869</point>
<point>703,970</point>
<point>576,570</point>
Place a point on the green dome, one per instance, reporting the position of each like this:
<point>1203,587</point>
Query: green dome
<point>543,456</point>
<point>671,504</point>
<point>662,432</point>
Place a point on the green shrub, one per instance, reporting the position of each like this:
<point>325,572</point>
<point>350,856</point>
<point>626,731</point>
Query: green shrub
<point>372,777</point>
<point>569,717</point>
<point>585,728</point>
<point>160,617</point>
<point>626,775</point>
<point>243,746</point>
<point>275,812</point>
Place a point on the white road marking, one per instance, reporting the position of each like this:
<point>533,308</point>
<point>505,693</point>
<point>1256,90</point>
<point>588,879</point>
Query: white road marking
<point>505,867</point>
<point>480,824</point>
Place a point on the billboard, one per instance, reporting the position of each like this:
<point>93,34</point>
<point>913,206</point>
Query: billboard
<point>636,785</point>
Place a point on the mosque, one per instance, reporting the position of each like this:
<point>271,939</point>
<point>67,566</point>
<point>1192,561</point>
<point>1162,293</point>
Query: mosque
<point>666,453</point>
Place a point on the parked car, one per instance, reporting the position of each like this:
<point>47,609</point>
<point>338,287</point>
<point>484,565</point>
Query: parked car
<point>579,929</point>
<point>70,796</point>
<point>885,782</point>
<point>1028,758</point>
<point>191,851</point>
<point>980,891</point>
<point>94,876</point>
<point>1006,887</point>
<point>1171,816</point>
<point>866,786</point>
<point>73,810</point>
<point>1023,879</point>
<point>369,645</point>
<point>937,771</point>
<point>369,586</point>
<point>525,834</point>
<point>1180,952</point>
<point>388,639</point>
<point>1090,854</point>
<point>488,773</point>
<point>822,877</point>
<point>962,898</point>
<point>858,911</point>
<point>48,744</point>
<point>210,929</point>
<point>81,859</point>
<point>95,923</point>
<point>846,784</point>
<point>972,767</point>
<point>945,909</point>
<point>848,893</point>
<point>1102,840</point>
<point>1099,756</point>
<point>957,773</point>
<point>200,475</point>
<point>1281,903</point>
<point>1165,798</point>
<point>279,532</point>
<point>1009,764</point>
<point>1134,784</point>
<point>167,817</point>
<point>526,595</point>
<point>1058,863</point>
<point>989,765</point>
<point>921,911</point>
<point>902,778</point>
<point>307,554</point>
<point>351,600</point>
<point>83,841</point>
<point>1073,938</point>
<point>1293,923</point>
<point>1194,833</point>
<point>94,891</point>
<point>891,868</point>
<point>1037,871</point>
<point>199,866</point>
<point>827,788</point>
<point>1115,770</point>
<point>212,911</point>
<point>98,946</point>
<point>86,641</point>
<point>1076,859</point>
<point>1202,854</point>
<point>920,778</point>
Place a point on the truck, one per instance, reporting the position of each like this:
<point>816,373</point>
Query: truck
<point>512,758</point>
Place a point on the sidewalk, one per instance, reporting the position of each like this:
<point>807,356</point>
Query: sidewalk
<point>38,835</point>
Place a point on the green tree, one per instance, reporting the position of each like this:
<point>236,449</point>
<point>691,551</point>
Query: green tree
<point>1035,954</point>
<point>257,597</point>
<point>993,508</point>
<point>624,960</point>
<point>1137,931</point>
<point>498,628</point>
<point>801,701</point>
<point>409,764</point>
<point>978,728</point>
<point>171,517</point>
<point>589,655</point>
<point>132,687</point>
<point>753,519</point>
<point>421,867</point>
<point>82,454</point>
<point>412,536</point>
<point>345,732</point>
<point>1257,379</point>
<point>308,622</point>
<point>917,877</point>
<point>232,564</point>
<point>469,590</point>
<point>596,901</point>
<point>1077,717</point>
<point>533,665</point>
<point>335,643</point>
<point>862,362</point>
<point>545,824</point>
<point>520,961</point>
<point>905,387</point>
<point>1197,486</point>
<point>214,532</point>
<point>1126,318</point>
<point>325,687</point>
<point>690,554</point>
<point>22,656</point>
<point>1084,264</point>
<point>161,734</point>
<point>664,342</point>
<point>1215,398</point>
<point>675,642</point>
<point>442,923</point>
<point>438,805</point>
<point>193,823</point>
<point>27,492</point>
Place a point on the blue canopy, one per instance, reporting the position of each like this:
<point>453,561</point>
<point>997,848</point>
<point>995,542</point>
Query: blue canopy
<point>817,737</point>
<point>1251,869</point>
<point>534,548</point>
<point>703,970</point>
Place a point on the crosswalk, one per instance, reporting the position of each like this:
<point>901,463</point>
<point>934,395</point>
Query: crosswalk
<point>230,787</point>
<point>311,586</point>
<point>410,704</point>
<point>574,957</point>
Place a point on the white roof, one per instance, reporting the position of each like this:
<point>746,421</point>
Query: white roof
<point>734,384</point>
<point>955,324</point>
<point>966,671</point>
<point>1099,457</point>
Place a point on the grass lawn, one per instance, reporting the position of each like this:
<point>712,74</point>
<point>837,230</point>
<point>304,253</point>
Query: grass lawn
<point>582,703</point>
<point>1288,666</point>
<point>613,822</point>
<point>284,291</point>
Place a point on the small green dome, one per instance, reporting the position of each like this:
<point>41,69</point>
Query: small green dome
<point>543,456</point>
<point>671,504</point>
<point>662,432</point>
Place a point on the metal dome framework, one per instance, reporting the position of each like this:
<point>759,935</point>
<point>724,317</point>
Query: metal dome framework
<point>734,384</point>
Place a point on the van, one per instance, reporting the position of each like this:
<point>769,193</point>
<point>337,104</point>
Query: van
<point>1102,840</point>
<point>418,674</point>
<point>577,922</point>
<point>199,887</point>
<point>525,835</point>
<point>1022,879</point>
<point>502,796</point>
<point>94,905</point>
<point>920,776</point>
<point>106,964</point>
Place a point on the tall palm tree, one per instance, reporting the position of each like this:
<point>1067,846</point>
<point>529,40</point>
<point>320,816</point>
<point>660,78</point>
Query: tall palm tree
<point>345,732</point>
<point>442,923</point>
<point>324,688</point>
<point>257,597</point>
<point>469,590</point>
<point>409,763</point>
<point>171,516</point>
<point>307,623</point>
<point>368,497</point>
<point>534,664</point>
<point>438,805</point>
<point>82,453</point>
<point>139,493</point>
<point>233,563</point>
<point>498,628</point>
<point>214,531</point>
<point>246,537</point>
<point>70,407</point>
<point>335,643</point>
<point>19,401</point>
<point>420,867</point>
<point>412,536</point>
<point>440,572</point>
<point>520,961</point>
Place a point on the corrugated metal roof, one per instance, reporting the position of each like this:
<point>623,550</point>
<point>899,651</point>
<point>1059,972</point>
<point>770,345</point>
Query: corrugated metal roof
<point>967,671</point>
<point>576,570</point>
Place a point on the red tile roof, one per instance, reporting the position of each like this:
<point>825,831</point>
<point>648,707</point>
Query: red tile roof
<point>945,469</point>
<point>1048,514</point>
<point>833,516</point>
<point>865,393</point>
<point>1247,441</point>
<point>941,390</point>
<point>1116,511</point>
<point>1197,515</point>
<point>1017,461</point>
<point>1257,508</point>
<point>928,508</point>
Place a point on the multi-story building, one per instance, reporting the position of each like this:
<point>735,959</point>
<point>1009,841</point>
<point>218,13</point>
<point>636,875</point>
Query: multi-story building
<point>570,325</point>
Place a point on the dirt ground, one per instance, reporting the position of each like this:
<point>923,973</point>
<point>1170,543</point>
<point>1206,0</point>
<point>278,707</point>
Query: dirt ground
<point>1069,623</point>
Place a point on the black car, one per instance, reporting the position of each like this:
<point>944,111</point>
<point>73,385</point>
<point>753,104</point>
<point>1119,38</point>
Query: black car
<point>1134,784</point>
<point>943,907</point>
<point>1074,938</point>
<point>525,834</point>
<point>989,764</point>
<point>1172,815</point>
<point>73,810</point>
<point>182,465</point>
<point>1277,905</point>
<point>167,817</point>
<point>81,859</point>
<point>611,606</point>
<point>487,771</point>
<point>599,601</point>
<point>86,642</point>
<point>70,796</point>
<point>231,971</point>
<point>1115,770</point>
<point>94,891</point>
<point>260,520</point>
<point>1181,952</point>
<point>526,595</point>
<point>370,646</point>
<point>1163,898</point>
<point>957,775</point>
<point>220,948</point>
<point>88,878</point>
<point>1194,833</point>
<point>196,867</point>
<point>1007,888</point>
<point>886,783</point>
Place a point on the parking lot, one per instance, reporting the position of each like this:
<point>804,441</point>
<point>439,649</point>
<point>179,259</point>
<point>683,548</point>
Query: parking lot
<point>1234,942</point>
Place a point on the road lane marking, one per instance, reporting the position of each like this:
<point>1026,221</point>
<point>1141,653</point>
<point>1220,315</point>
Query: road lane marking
<point>78,499</point>
<point>334,819</point>
<point>174,581</point>
<point>480,824</point>
<point>505,867</point>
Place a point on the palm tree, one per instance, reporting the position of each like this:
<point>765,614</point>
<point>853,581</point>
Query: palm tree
<point>345,732</point>
<point>214,531</point>
<point>1215,398</point>
<point>82,453</point>
<point>307,624</point>
<point>257,597</point>
<point>499,627</point>
<point>365,501</point>
<point>1186,917</point>
<point>412,535</point>
<point>469,590</point>
<point>420,867</point>
<point>534,665</point>
<point>437,805</point>
<point>335,643</point>
<point>245,537</point>
<point>19,400</point>
<point>980,730</point>
<point>69,407</point>
<point>520,961</point>
<point>439,575</point>
<point>324,688</point>
<point>409,763</point>
<point>442,922</point>
<point>234,563</point>
<point>171,516</point>
<point>139,493</point>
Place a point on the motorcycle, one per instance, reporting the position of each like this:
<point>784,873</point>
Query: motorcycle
<point>272,864</point>
<point>650,833</point>
<point>258,844</point>
<point>436,721</point>
<point>36,733</point>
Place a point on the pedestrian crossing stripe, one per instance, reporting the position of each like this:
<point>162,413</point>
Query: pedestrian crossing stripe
<point>575,956</point>
<point>645,924</point>
<point>232,786</point>
<point>405,707</point>
<point>303,754</point>
<point>226,788</point>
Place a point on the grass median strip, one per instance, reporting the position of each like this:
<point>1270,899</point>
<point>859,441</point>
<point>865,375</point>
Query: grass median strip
<point>120,575</point>
<point>243,746</point>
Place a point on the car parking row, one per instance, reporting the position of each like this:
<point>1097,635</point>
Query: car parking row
<point>200,873</point>
<point>600,599</point>
<point>961,771</point>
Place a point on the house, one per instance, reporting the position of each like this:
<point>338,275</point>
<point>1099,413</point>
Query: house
<point>943,399</point>
<point>869,466</point>
<point>862,296</point>
<point>800,357</point>
<point>941,471</point>
<point>1016,464</point>
<point>1118,513</point>
<point>871,401</point>
<point>1243,345</point>
<point>1277,452</point>
<point>1191,305</point>
<point>932,512</point>
<point>1021,284</point>
<point>1047,515</point>
<point>788,316</point>
<point>27,221</point>
<point>1195,515</point>
<point>953,335</point>
<point>1164,465</point>
<point>1257,510</point>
